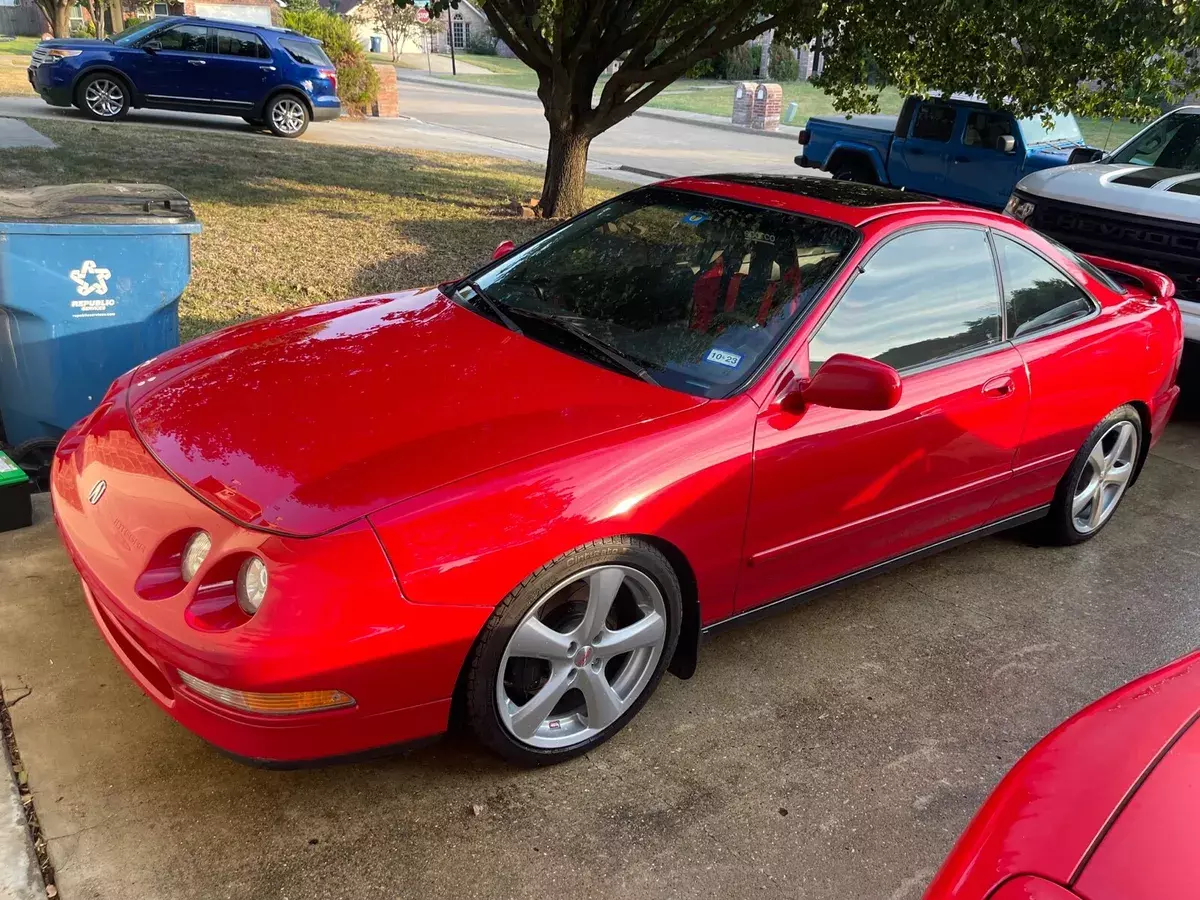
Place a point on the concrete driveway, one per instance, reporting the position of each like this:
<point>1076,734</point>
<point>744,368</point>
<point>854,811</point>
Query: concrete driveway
<point>640,149</point>
<point>831,752</point>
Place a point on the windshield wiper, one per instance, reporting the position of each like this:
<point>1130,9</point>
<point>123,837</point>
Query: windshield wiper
<point>477,293</point>
<point>608,352</point>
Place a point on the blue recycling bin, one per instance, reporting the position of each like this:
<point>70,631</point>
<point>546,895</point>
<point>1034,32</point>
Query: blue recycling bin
<point>90,280</point>
<point>376,43</point>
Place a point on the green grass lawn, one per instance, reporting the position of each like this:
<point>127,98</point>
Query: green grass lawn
<point>291,223</point>
<point>21,46</point>
<point>13,80</point>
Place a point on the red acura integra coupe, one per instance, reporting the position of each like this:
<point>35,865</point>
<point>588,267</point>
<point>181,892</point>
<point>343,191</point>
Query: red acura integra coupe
<point>1103,808</point>
<point>532,490</point>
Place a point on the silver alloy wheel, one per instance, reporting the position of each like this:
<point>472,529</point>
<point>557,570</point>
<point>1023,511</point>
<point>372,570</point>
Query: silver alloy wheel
<point>591,671</point>
<point>104,97</point>
<point>1104,479</point>
<point>288,115</point>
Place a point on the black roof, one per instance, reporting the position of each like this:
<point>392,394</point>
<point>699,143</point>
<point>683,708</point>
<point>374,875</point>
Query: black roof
<point>831,190</point>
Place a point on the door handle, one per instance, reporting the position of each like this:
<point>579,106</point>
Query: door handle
<point>196,62</point>
<point>267,68</point>
<point>916,151</point>
<point>1000,386</point>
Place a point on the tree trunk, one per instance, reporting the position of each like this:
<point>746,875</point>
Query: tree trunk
<point>566,172</point>
<point>61,25</point>
<point>116,12</point>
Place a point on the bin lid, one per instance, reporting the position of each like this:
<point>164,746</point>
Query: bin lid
<point>10,472</point>
<point>97,204</point>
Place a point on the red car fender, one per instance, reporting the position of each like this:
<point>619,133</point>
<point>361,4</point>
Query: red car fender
<point>684,484</point>
<point>1051,810</point>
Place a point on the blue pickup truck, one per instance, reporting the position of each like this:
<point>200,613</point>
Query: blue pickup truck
<point>957,148</point>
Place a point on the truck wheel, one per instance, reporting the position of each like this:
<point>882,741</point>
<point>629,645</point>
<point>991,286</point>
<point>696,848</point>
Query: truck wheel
<point>849,168</point>
<point>103,96</point>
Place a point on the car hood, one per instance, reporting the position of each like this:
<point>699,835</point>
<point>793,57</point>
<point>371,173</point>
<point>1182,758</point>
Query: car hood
<point>76,44</point>
<point>302,422</point>
<point>1147,191</point>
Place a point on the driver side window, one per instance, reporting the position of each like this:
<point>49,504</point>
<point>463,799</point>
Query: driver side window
<point>923,296</point>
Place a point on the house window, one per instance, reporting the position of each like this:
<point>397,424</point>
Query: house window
<point>76,21</point>
<point>161,10</point>
<point>462,32</point>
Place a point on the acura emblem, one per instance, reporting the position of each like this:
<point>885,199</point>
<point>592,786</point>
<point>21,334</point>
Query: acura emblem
<point>97,491</point>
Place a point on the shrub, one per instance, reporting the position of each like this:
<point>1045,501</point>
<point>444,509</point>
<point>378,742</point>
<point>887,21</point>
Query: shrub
<point>358,85</point>
<point>706,68</point>
<point>135,21</point>
<point>740,63</point>
<point>782,63</point>
<point>482,42</point>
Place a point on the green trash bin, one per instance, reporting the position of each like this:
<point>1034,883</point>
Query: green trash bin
<point>16,508</point>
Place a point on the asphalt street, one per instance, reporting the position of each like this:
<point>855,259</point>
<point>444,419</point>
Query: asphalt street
<point>640,149</point>
<point>834,751</point>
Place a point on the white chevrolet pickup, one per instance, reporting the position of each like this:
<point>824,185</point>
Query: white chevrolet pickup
<point>1140,203</point>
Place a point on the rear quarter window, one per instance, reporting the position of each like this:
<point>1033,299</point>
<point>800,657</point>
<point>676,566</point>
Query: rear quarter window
<point>305,52</point>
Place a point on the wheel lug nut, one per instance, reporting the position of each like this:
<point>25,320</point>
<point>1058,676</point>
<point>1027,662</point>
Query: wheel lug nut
<point>595,665</point>
<point>571,648</point>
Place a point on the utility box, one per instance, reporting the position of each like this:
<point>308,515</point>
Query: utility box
<point>743,102</point>
<point>768,101</point>
<point>16,508</point>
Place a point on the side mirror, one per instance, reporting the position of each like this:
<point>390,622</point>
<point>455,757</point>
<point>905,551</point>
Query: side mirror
<point>1006,143</point>
<point>152,46</point>
<point>848,382</point>
<point>503,249</point>
<point>1084,155</point>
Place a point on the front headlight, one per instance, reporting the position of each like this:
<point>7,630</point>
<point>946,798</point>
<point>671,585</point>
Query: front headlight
<point>251,585</point>
<point>194,554</point>
<point>1019,208</point>
<point>54,55</point>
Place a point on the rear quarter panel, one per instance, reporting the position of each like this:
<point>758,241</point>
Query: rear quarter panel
<point>829,138</point>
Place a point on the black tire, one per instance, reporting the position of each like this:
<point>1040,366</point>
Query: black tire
<point>103,96</point>
<point>483,666</point>
<point>283,109</point>
<point>35,457</point>
<point>852,168</point>
<point>1059,526</point>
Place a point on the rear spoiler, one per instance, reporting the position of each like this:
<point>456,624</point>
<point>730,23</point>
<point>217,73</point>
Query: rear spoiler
<point>1156,284</point>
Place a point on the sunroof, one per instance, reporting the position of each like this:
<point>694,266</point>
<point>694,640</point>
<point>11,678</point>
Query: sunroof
<point>845,193</point>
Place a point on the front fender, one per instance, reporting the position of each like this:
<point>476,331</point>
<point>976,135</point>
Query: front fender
<point>684,481</point>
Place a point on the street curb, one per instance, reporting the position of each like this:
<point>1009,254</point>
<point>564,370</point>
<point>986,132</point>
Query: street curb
<point>672,115</point>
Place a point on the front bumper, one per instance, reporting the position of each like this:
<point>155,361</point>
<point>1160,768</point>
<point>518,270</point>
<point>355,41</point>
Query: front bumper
<point>42,80</point>
<point>336,619</point>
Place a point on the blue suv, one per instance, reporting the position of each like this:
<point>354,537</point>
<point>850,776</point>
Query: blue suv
<point>270,77</point>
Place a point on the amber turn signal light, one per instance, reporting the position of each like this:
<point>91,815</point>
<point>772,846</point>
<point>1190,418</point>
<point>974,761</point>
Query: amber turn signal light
<point>268,704</point>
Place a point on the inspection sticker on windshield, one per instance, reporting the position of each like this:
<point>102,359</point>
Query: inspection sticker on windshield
<point>724,358</point>
<point>694,219</point>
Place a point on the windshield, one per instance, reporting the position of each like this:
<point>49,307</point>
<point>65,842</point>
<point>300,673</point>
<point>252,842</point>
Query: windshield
<point>694,289</point>
<point>1062,128</point>
<point>131,34</point>
<point>1173,142</point>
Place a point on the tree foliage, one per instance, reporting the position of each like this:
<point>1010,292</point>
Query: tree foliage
<point>1112,57</point>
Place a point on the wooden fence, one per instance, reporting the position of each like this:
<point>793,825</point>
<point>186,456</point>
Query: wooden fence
<point>21,19</point>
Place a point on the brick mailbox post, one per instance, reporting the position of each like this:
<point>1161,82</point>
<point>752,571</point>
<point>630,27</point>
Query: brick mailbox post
<point>743,100</point>
<point>764,112</point>
<point>388,103</point>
